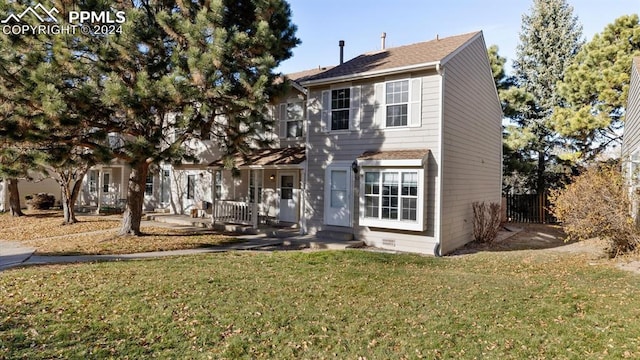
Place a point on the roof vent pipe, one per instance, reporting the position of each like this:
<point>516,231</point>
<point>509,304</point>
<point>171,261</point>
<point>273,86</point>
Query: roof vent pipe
<point>383,37</point>
<point>341,44</point>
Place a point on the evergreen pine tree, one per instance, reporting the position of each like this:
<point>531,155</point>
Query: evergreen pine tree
<point>549,39</point>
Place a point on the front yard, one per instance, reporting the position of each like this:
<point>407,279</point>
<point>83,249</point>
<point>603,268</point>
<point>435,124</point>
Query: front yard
<point>501,302</point>
<point>96,235</point>
<point>349,304</point>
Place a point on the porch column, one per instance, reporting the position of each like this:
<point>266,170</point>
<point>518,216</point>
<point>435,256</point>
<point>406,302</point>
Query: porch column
<point>122,185</point>
<point>303,202</point>
<point>99,190</point>
<point>254,213</point>
<point>213,196</point>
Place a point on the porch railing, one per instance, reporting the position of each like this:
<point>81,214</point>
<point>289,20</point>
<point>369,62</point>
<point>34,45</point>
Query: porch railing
<point>234,212</point>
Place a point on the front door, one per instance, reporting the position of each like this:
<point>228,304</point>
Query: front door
<point>288,194</point>
<point>338,196</point>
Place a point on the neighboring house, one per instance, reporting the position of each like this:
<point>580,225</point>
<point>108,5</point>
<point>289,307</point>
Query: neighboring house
<point>271,181</point>
<point>29,187</point>
<point>401,142</point>
<point>631,138</point>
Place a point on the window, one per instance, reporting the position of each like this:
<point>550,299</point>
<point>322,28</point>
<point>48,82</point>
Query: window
<point>340,109</point>
<point>398,103</point>
<point>392,199</point>
<point>106,179</point>
<point>165,185</point>
<point>252,185</point>
<point>148,185</point>
<point>191,186</point>
<point>397,100</point>
<point>93,183</point>
<point>293,119</point>
<point>218,184</point>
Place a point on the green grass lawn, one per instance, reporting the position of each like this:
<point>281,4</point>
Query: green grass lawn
<point>350,304</point>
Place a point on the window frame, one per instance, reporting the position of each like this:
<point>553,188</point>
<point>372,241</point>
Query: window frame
<point>191,186</point>
<point>342,110</point>
<point>148,185</point>
<point>419,224</point>
<point>286,120</point>
<point>388,105</point>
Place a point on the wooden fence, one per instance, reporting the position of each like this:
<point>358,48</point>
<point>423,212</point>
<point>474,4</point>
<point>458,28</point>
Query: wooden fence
<point>528,208</point>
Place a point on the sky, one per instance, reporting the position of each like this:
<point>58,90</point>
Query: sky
<point>322,23</point>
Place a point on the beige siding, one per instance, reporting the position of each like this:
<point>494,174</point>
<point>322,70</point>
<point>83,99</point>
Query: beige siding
<point>472,153</point>
<point>631,139</point>
<point>48,185</point>
<point>325,148</point>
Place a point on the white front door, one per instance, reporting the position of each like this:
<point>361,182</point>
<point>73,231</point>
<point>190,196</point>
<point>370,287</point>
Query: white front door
<point>288,194</point>
<point>337,196</point>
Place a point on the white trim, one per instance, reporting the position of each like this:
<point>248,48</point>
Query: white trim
<point>438,190</point>
<point>413,103</point>
<point>391,163</point>
<point>338,166</point>
<point>419,225</point>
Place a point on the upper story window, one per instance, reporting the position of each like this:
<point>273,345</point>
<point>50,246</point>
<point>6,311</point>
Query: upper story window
<point>340,109</point>
<point>397,100</point>
<point>292,117</point>
<point>398,103</point>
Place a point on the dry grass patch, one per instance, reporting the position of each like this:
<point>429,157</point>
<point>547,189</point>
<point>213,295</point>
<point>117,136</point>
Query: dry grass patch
<point>48,223</point>
<point>97,235</point>
<point>108,242</point>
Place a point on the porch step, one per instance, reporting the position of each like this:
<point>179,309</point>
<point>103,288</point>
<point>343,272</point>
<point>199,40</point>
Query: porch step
<point>332,244</point>
<point>237,229</point>
<point>334,235</point>
<point>282,233</point>
<point>178,220</point>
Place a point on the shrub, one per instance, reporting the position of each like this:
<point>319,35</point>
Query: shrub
<point>486,221</point>
<point>41,201</point>
<point>596,204</point>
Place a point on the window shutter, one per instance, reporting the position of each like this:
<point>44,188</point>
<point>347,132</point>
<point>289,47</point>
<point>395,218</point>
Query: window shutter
<point>355,112</point>
<point>380,111</point>
<point>326,111</point>
<point>282,115</point>
<point>415,103</point>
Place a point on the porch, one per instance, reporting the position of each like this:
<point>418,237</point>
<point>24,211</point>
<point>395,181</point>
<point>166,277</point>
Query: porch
<point>267,192</point>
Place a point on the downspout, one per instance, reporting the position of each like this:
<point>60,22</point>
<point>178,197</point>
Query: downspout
<point>303,205</point>
<point>438,229</point>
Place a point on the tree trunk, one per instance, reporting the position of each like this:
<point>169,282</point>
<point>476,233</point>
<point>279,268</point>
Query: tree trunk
<point>540,181</point>
<point>14,197</point>
<point>135,199</point>
<point>69,198</point>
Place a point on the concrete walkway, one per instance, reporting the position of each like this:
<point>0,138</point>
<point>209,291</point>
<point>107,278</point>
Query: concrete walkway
<point>13,254</point>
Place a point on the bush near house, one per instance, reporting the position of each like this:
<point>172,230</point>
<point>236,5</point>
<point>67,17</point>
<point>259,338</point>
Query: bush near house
<point>596,204</point>
<point>486,221</point>
<point>40,201</point>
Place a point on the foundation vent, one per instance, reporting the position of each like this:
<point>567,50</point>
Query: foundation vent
<point>388,242</point>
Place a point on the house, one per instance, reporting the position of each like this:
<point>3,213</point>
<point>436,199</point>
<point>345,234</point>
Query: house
<point>400,143</point>
<point>631,139</point>
<point>391,147</point>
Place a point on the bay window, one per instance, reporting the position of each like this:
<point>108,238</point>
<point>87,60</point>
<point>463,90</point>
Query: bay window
<point>392,198</point>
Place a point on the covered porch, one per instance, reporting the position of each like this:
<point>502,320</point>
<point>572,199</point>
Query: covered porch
<point>267,192</point>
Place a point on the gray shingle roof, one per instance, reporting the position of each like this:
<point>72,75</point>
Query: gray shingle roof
<point>397,57</point>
